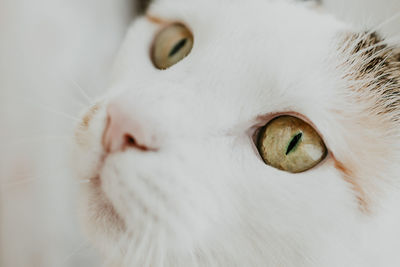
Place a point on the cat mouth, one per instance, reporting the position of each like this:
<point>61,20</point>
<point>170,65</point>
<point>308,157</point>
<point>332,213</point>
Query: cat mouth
<point>100,165</point>
<point>95,181</point>
<point>103,206</point>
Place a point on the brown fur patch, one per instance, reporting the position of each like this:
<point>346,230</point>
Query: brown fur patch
<point>375,65</point>
<point>372,69</point>
<point>348,176</point>
<point>81,135</point>
<point>89,115</point>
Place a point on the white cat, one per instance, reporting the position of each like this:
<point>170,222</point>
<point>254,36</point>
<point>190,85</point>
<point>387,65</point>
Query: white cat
<point>50,48</point>
<point>237,134</point>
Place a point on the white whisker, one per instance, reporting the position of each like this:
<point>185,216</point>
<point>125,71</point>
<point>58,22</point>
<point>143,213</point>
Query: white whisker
<point>22,180</point>
<point>83,93</point>
<point>149,255</point>
<point>8,186</point>
<point>34,141</point>
<point>57,112</point>
<point>139,250</point>
<point>78,102</point>
<point>73,253</point>
<point>122,241</point>
<point>385,23</point>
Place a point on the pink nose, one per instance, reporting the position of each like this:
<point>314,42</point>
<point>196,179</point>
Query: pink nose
<point>123,131</point>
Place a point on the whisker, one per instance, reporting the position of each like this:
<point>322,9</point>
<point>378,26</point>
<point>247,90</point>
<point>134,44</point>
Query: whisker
<point>385,23</point>
<point>21,180</point>
<point>131,245</point>
<point>53,111</point>
<point>35,140</point>
<point>73,253</point>
<point>149,255</point>
<point>133,248</point>
<point>83,93</point>
<point>137,256</point>
<point>161,250</point>
<point>73,99</point>
<point>7,186</point>
<point>122,241</point>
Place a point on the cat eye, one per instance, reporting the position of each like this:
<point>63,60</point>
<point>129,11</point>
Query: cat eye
<point>171,45</point>
<point>290,144</point>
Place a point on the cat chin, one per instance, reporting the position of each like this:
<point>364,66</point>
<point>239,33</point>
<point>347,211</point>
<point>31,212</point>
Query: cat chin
<point>119,214</point>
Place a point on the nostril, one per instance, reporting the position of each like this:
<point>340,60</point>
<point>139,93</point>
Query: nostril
<point>124,131</point>
<point>129,140</point>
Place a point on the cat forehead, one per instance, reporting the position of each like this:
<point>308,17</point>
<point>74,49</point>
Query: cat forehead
<point>257,52</point>
<point>267,22</point>
<point>268,38</point>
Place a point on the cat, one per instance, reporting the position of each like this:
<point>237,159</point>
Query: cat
<point>262,134</point>
<point>53,53</point>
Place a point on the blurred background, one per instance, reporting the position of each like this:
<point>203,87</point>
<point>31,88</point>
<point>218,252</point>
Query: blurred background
<point>55,58</point>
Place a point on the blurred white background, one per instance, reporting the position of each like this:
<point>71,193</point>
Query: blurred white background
<point>54,55</point>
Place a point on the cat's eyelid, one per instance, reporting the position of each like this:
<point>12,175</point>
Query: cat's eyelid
<point>158,20</point>
<point>166,22</point>
<point>262,120</point>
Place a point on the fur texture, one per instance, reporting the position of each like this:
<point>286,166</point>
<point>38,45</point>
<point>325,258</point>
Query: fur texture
<point>205,198</point>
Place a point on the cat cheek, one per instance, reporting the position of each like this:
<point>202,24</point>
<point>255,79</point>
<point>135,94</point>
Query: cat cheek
<point>85,131</point>
<point>88,151</point>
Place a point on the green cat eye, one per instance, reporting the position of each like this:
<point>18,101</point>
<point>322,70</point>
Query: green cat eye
<point>171,45</point>
<point>290,144</point>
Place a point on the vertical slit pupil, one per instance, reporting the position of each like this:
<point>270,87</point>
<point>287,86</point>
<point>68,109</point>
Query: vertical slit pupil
<point>178,46</point>
<point>295,140</point>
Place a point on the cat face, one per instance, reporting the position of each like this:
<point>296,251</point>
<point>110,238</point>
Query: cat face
<point>177,176</point>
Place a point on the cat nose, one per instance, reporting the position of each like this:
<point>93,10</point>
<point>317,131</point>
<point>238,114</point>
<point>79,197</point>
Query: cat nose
<point>123,131</point>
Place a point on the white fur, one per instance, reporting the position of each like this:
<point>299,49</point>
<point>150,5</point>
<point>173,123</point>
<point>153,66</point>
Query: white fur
<point>216,203</point>
<point>205,198</point>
